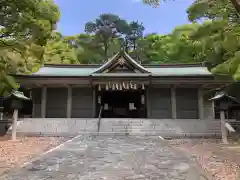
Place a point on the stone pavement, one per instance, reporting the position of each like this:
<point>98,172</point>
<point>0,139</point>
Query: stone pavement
<point>110,158</point>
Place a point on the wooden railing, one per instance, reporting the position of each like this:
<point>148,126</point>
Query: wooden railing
<point>99,118</point>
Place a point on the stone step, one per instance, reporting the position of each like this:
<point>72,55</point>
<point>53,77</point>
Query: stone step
<point>71,127</point>
<point>147,127</point>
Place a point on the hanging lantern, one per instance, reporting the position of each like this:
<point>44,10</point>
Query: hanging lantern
<point>99,87</point>
<point>142,99</point>
<point>105,106</point>
<point>113,86</point>
<point>124,85</point>
<point>135,86</point>
<point>107,87</point>
<point>131,85</point>
<point>143,87</point>
<point>99,99</point>
<point>120,87</point>
<point>127,86</point>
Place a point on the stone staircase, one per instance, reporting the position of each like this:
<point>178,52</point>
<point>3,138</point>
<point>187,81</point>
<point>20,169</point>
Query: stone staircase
<point>161,127</point>
<point>116,126</point>
<point>55,126</point>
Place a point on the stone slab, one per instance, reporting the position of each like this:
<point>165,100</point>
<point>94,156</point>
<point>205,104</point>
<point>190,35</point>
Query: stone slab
<point>110,158</point>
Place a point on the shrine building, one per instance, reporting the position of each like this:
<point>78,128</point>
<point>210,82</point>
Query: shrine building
<point>122,88</point>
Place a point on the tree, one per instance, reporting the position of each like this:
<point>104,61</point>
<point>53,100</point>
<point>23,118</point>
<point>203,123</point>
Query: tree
<point>105,29</point>
<point>214,10</point>
<point>156,3</point>
<point>132,32</point>
<point>219,36</point>
<point>175,47</point>
<point>27,20</point>
<point>58,51</point>
<point>25,26</point>
<point>87,49</point>
<point>236,4</point>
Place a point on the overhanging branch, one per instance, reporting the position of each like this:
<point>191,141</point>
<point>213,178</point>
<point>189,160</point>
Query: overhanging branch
<point>236,4</point>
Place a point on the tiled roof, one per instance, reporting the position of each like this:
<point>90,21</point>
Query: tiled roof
<point>75,71</point>
<point>120,59</point>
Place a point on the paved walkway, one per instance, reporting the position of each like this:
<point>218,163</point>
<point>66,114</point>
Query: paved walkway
<point>109,158</point>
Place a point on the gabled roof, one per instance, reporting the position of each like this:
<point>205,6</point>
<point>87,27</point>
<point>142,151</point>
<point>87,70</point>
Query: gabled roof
<point>121,58</point>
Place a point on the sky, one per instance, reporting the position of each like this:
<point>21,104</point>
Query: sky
<point>162,20</point>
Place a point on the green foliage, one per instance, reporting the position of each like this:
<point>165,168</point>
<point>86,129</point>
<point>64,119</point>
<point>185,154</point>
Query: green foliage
<point>31,20</point>
<point>176,47</point>
<point>234,3</point>
<point>88,50</point>
<point>26,26</point>
<point>220,37</point>
<point>153,3</point>
<point>58,51</point>
<point>8,65</point>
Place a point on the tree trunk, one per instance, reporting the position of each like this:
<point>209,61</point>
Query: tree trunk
<point>126,46</point>
<point>223,128</point>
<point>236,4</point>
<point>14,124</point>
<point>134,45</point>
<point>106,50</point>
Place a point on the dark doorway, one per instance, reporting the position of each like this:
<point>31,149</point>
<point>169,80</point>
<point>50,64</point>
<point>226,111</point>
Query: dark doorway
<point>122,104</point>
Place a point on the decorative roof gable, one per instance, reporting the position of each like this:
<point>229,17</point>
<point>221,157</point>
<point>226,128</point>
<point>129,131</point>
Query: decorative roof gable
<point>121,62</point>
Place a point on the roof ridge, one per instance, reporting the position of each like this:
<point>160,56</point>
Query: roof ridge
<point>174,65</point>
<point>144,65</point>
<point>72,65</point>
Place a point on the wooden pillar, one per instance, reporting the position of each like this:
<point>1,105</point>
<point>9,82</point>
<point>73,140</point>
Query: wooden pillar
<point>200,103</point>
<point>94,101</point>
<point>223,128</point>
<point>147,102</point>
<point>69,101</point>
<point>173,103</point>
<point>33,103</point>
<point>33,109</point>
<point>44,102</point>
<point>213,110</point>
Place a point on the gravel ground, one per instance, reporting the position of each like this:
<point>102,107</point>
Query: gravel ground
<point>221,161</point>
<point>15,153</point>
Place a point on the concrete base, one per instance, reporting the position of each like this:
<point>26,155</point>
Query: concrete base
<point>145,127</point>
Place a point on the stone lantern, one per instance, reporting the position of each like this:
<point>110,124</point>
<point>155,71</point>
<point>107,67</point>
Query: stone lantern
<point>17,99</point>
<point>225,101</point>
